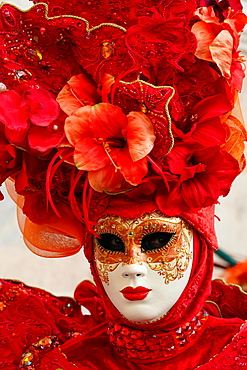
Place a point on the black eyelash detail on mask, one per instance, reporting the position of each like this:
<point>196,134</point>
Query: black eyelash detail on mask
<point>157,241</point>
<point>111,242</point>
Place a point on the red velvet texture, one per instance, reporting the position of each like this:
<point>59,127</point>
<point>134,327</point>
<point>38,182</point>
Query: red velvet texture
<point>95,352</point>
<point>29,314</point>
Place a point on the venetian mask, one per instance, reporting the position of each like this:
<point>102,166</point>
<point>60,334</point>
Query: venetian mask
<point>144,264</point>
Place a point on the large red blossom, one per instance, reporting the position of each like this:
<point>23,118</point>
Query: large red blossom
<point>203,175</point>
<point>218,42</point>
<point>108,144</point>
<point>33,120</point>
<point>112,147</point>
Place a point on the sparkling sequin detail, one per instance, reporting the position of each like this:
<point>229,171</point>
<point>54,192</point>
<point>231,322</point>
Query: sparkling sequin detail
<point>170,261</point>
<point>142,345</point>
<point>30,357</point>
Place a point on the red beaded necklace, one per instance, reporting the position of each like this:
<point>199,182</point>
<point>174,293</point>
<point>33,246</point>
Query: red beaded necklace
<point>137,344</point>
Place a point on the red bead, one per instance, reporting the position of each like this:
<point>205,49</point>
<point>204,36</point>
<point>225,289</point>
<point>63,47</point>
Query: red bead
<point>42,30</point>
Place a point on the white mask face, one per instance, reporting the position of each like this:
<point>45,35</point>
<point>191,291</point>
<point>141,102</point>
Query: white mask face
<point>144,264</point>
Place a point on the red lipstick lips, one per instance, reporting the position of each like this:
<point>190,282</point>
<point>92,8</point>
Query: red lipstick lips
<point>135,294</point>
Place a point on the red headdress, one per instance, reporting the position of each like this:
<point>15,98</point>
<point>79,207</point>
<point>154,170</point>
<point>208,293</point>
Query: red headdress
<point>121,108</point>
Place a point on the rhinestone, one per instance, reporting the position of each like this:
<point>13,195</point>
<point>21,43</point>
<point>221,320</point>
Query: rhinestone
<point>133,353</point>
<point>45,342</point>
<point>23,75</point>
<point>27,359</point>
<point>2,306</point>
<point>12,295</point>
<point>42,30</point>
<point>179,330</point>
<point>144,108</point>
<point>146,227</point>
<point>106,50</point>
<point>35,54</point>
<point>117,327</point>
<point>171,348</point>
<point>67,309</point>
<point>113,226</point>
<point>125,331</point>
<point>135,334</point>
<point>140,342</point>
<point>131,233</point>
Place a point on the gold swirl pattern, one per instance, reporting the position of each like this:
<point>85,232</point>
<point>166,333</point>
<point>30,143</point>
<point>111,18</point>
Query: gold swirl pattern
<point>170,261</point>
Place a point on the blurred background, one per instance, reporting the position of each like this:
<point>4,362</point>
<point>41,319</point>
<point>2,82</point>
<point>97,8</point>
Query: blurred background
<point>60,276</point>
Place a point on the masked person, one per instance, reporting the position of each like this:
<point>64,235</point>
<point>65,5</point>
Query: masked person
<point>120,128</point>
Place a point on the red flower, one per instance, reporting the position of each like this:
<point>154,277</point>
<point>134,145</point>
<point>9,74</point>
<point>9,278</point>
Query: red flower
<point>203,176</point>
<point>112,147</point>
<point>218,42</point>
<point>33,120</point>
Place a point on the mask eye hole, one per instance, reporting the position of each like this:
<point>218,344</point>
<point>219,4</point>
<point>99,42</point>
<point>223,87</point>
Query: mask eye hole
<point>111,242</point>
<point>155,241</point>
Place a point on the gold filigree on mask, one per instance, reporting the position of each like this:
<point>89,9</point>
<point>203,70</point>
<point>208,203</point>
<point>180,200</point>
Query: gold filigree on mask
<point>170,261</point>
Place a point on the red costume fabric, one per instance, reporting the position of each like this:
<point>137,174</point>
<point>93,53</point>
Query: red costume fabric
<point>202,330</point>
<point>43,332</point>
<point>163,109</point>
<point>120,108</point>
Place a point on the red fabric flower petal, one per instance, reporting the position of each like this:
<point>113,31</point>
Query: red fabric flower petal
<point>228,171</point>
<point>179,157</point>
<point>140,135</point>
<point>209,133</point>
<point>133,172</point>
<point>107,121</point>
<point>200,191</point>
<point>42,139</point>
<point>10,114</point>
<point>189,172</point>
<point>214,106</point>
<point>106,179</point>
<point>78,92</point>
<point>43,107</point>
<point>90,156</point>
<point>76,126</point>
<point>16,137</point>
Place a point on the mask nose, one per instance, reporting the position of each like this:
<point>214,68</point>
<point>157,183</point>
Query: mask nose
<point>134,270</point>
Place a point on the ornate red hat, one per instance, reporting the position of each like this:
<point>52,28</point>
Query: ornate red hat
<point>118,107</point>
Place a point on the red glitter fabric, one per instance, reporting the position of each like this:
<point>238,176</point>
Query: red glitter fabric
<point>40,331</point>
<point>123,108</point>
